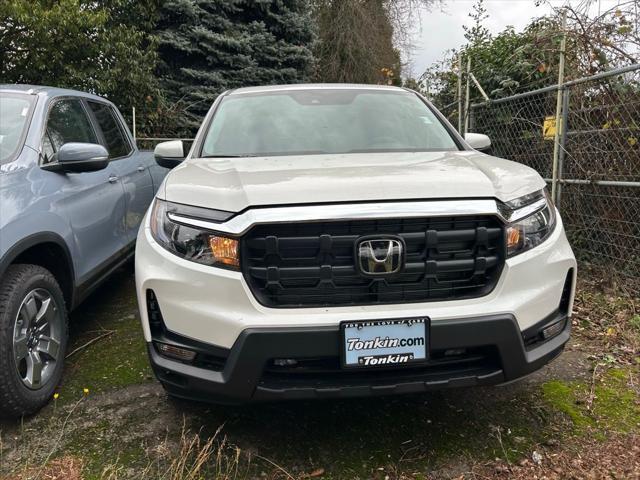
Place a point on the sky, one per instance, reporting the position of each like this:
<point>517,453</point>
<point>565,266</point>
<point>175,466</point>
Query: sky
<point>441,28</point>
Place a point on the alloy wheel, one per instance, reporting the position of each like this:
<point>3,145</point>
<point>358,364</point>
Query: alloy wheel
<point>36,338</point>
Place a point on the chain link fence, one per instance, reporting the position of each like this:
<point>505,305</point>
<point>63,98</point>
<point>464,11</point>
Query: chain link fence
<point>149,143</point>
<point>598,161</point>
<point>450,111</point>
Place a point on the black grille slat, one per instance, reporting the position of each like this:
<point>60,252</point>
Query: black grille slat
<point>410,269</point>
<point>314,241</point>
<point>312,263</point>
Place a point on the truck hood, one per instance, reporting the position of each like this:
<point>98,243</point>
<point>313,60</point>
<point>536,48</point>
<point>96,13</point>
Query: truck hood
<point>233,184</point>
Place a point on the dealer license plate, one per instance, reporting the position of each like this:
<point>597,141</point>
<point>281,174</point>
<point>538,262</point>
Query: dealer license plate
<point>384,343</point>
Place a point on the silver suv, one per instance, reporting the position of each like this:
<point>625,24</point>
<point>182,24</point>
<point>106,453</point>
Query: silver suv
<point>73,190</point>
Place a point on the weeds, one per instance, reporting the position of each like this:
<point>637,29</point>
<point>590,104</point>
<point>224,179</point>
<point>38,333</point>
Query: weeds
<point>607,321</point>
<point>193,458</point>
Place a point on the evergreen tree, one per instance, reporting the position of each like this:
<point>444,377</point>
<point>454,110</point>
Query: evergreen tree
<point>208,46</point>
<point>477,34</point>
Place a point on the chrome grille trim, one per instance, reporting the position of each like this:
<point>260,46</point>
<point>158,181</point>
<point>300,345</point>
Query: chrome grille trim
<point>239,224</point>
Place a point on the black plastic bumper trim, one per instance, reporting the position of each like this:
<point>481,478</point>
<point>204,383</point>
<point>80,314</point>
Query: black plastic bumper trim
<point>239,381</point>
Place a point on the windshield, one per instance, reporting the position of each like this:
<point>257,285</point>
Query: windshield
<point>315,121</point>
<point>15,109</point>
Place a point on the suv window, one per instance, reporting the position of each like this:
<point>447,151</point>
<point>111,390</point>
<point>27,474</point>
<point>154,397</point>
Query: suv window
<point>117,143</point>
<point>15,112</point>
<point>67,122</point>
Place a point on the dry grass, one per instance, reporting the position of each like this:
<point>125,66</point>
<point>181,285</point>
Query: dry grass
<point>192,458</point>
<point>616,458</point>
<point>64,468</point>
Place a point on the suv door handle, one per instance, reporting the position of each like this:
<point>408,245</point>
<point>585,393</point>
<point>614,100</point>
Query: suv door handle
<point>140,168</point>
<point>113,179</point>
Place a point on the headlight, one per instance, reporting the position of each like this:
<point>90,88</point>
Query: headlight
<point>195,244</point>
<point>534,219</point>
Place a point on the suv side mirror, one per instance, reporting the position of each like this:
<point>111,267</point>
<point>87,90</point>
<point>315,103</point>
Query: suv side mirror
<point>79,157</point>
<point>169,154</point>
<point>478,141</point>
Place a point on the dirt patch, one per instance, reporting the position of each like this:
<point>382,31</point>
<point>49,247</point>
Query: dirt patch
<point>606,320</point>
<point>616,457</point>
<point>65,468</point>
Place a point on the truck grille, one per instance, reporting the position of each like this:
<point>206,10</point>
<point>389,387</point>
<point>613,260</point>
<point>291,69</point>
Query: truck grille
<point>313,264</point>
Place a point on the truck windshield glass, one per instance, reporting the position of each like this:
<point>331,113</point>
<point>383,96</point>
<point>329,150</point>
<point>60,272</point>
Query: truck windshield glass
<point>15,111</point>
<point>317,121</point>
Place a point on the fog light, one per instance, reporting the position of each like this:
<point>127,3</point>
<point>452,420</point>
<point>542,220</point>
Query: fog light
<point>552,330</point>
<point>176,352</point>
<point>285,362</point>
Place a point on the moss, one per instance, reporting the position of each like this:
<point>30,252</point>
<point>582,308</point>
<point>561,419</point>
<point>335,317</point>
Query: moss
<point>615,405</point>
<point>609,406</point>
<point>98,447</point>
<point>618,374</point>
<point>114,361</point>
<point>563,397</point>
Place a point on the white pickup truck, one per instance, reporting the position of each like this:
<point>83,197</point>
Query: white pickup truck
<point>344,240</point>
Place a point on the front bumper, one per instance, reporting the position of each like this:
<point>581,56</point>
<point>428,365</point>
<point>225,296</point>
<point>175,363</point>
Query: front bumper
<point>494,346</point>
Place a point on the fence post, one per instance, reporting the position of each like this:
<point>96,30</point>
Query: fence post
<point>556,139</point>
<point>133,122</point>
<point>564,125</point>
<point>460,93</point>
<point>466,97</point>
<point>479,87</point>
<point>472,119</point>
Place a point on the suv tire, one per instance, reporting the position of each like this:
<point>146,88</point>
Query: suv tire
<point>33,339</point>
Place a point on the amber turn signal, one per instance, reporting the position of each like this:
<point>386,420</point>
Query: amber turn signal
<point>513,237</point>
<point>225,250</point>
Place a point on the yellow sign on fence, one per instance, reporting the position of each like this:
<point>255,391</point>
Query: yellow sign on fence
<point>549,128</point>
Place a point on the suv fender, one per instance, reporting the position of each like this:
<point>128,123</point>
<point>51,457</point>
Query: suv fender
<point>43,238</point>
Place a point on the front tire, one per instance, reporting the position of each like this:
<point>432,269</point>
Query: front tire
<point>33,339</point>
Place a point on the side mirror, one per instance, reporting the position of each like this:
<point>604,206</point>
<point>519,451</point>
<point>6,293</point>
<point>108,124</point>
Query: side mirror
<point>79,157</point>
<point>169,154</point>
<point>478,141</point>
